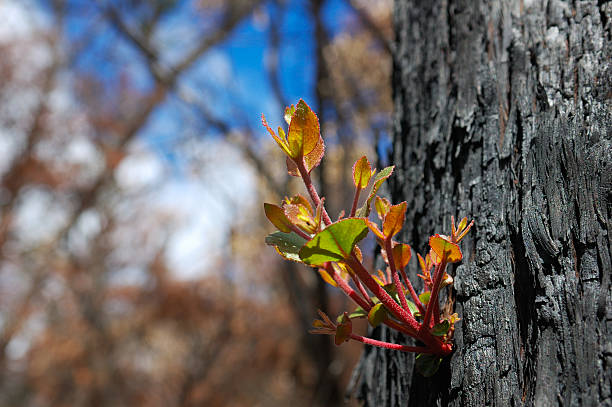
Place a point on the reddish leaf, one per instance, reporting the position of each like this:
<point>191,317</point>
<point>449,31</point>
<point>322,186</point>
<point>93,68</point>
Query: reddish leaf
<point>401,255</point>
<point>312,159</point>
<point>444,248</point>
<point>374,228</point>
<point>276,215</point>
<point>304,133</point>
<point>344,330</point>
<point>394,220</point>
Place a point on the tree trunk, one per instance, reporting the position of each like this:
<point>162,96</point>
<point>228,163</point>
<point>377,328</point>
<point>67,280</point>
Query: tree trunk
<point>503,115</point>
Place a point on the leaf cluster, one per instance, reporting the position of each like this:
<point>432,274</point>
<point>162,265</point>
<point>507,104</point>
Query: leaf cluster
<point>306,234</point>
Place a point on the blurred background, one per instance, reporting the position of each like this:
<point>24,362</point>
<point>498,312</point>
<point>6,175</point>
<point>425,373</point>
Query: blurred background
<point>134,167</point>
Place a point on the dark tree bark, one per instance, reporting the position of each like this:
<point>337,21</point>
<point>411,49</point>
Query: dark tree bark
<point>503,114</point>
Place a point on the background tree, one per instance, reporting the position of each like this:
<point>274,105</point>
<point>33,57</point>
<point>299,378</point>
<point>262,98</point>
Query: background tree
<point>502,114</point>
<point>113,112</point>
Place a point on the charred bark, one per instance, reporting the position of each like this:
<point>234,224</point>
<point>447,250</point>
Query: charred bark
<point>503,114</point>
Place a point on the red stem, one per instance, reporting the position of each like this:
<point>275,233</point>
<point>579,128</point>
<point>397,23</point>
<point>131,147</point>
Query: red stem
<point>362,289</point>
<point>346,288</point>
<point>388,345</point>
<point>355,200</point>
<point>300,232</point>
<point>301,165</point>
<point>433,299</point>
<point>382,295</point>
<point>396,281</point>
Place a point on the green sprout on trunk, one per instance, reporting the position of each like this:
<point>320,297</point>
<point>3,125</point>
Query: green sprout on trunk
<point>306,234</point>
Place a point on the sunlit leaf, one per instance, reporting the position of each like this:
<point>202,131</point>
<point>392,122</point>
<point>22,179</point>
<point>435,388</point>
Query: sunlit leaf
<point>312,159</point>
<point>326,277</point>
<point>377,315</point>
<point>382,206</point>
<point>424,297</point>
<point>335,242</point>
<point>304,132</point>
<point>289,110</point>
<point>427,364</point>
<point>374,228</point>
<point>440,329</point>
<point>287,244</point>
<point>364,211</point>
<point>276,215</point>
<point>281,141</point>
<point>462,225</point>
<point>401,255</point>
<point>362,172</point>
<point>394,220</point>
<point>444,248</point>
<point>358,313</point>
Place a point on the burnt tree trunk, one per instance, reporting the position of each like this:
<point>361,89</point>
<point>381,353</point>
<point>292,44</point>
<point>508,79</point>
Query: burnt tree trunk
<point>503,114</point>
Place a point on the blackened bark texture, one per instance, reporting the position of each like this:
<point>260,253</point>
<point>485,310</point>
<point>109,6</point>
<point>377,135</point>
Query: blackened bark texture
<point>503,114</point>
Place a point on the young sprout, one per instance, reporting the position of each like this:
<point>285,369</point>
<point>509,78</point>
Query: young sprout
<point>306,234</point>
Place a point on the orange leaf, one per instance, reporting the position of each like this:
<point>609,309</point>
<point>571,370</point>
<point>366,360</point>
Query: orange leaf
<point>362,172</point>
<point>394,220</point>
<point>374,228</point>
<point>304,131</point>
<point>276,215</point>
<point>312,159</point>
<point>401,255</point>
<point>445,249</point>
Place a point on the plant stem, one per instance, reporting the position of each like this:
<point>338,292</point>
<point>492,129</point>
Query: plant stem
<point>382,295</point>
<point>312,191</point>
<point>362,289</point>
<point>396,281</point>
<point>433,299</point>
<point>388,345</point>
<point>346,288</point>
<point>355,201</point>
<point>300,232</point>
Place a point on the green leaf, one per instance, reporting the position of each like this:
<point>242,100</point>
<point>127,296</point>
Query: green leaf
<point>358,313</point>
<point>413,308</point>
<point>335,242</point>
<point>362,172</point>
<point>287,244</point>
<point>424,297</point>
<point>390,289</point>
<point>440,329</point>
<point>377,315</point>
<point>427,364</point>
<point>364,211</point>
